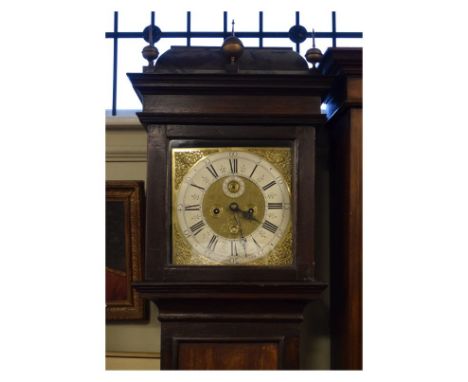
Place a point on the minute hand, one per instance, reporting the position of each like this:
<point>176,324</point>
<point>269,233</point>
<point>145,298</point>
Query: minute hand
<point>243,240</point>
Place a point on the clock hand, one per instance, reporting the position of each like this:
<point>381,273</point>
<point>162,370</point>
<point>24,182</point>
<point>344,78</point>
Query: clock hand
<point>245,214</point>
<point>235,210</point>
<point>249,215</point>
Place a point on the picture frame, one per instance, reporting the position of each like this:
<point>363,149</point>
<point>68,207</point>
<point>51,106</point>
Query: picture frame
<point>125,220</point>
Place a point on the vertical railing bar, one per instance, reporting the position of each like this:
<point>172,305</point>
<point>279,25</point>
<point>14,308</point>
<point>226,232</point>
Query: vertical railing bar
<point>260,29</point>
<point>188,27</point>
<point>114,74</point>
<point>225,23</point>
<point>334,29</point>
<point>151,41</point>
<point>116,35</point>
<point>297,23</point>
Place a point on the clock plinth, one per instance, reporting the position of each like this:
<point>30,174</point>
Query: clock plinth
<point>230,246</point>
<point>231,325</point>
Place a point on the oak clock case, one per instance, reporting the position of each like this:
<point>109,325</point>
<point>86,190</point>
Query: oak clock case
<point>283,226</point>
<point>230,250</point>
<point>231,206</point>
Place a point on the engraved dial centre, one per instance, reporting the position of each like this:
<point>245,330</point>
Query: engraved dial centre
<point>233,207</point>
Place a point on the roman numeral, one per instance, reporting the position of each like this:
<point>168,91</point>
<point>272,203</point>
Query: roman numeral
<point>197,227</point>
<point>270,226</point>
<point>253,170</point>
<point>275,206</point>
<point>194,185</point>
<point>193,207</point>
<point>267,186</point>
<point>212,171</point>
<point>233,164</point>
<point>212,243</point>
<point>234,248</point>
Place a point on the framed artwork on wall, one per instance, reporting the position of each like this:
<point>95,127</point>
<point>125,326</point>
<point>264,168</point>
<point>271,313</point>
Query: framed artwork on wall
<point>125,208</point>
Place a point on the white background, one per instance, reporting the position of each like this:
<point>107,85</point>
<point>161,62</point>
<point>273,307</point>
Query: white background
<point>53,92</point>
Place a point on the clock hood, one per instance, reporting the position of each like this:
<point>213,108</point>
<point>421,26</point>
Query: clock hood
<point>193,60</point>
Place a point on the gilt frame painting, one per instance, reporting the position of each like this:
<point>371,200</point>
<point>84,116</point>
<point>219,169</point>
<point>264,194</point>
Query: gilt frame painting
<point>125,209</point>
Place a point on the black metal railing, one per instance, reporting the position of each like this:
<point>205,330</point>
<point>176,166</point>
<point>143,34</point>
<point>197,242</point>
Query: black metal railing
<point>297,34</point>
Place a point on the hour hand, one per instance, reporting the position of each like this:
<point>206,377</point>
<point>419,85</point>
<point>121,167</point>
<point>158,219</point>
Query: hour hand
<point>245,214</point>
<point>249,215</point>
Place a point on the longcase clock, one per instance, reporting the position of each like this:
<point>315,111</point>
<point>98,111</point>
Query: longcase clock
<point>230,247</point>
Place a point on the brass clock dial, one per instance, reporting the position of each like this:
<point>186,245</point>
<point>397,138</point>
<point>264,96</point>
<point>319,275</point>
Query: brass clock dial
<point>232,206</point>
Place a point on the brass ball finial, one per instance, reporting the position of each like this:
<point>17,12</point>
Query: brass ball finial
<point>313,55</point>
<point>233,47</point>
<point>150,53</point>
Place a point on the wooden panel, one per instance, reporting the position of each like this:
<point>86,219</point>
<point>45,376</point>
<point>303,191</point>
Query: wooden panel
<point>354,89</point>
<point>228,356</point>
<point>354,235</point>
<point>203,123</point>
<point>156,190</point>
<point>344,110</point>
<point>217,104</point>
<point>198,323</point>
<point>346,240</point>
<point>305,206</point>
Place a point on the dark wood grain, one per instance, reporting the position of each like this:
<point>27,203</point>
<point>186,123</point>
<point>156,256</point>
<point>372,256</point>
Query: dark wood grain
<point>305,206</point>
<point>230,289</point>
<point>157,229</point>
<point>239,84</point>
<point>199,123</point>
<point>227,103</point>
<point>282,336</point>
<point>228,356</point>
<point>344,103</point>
